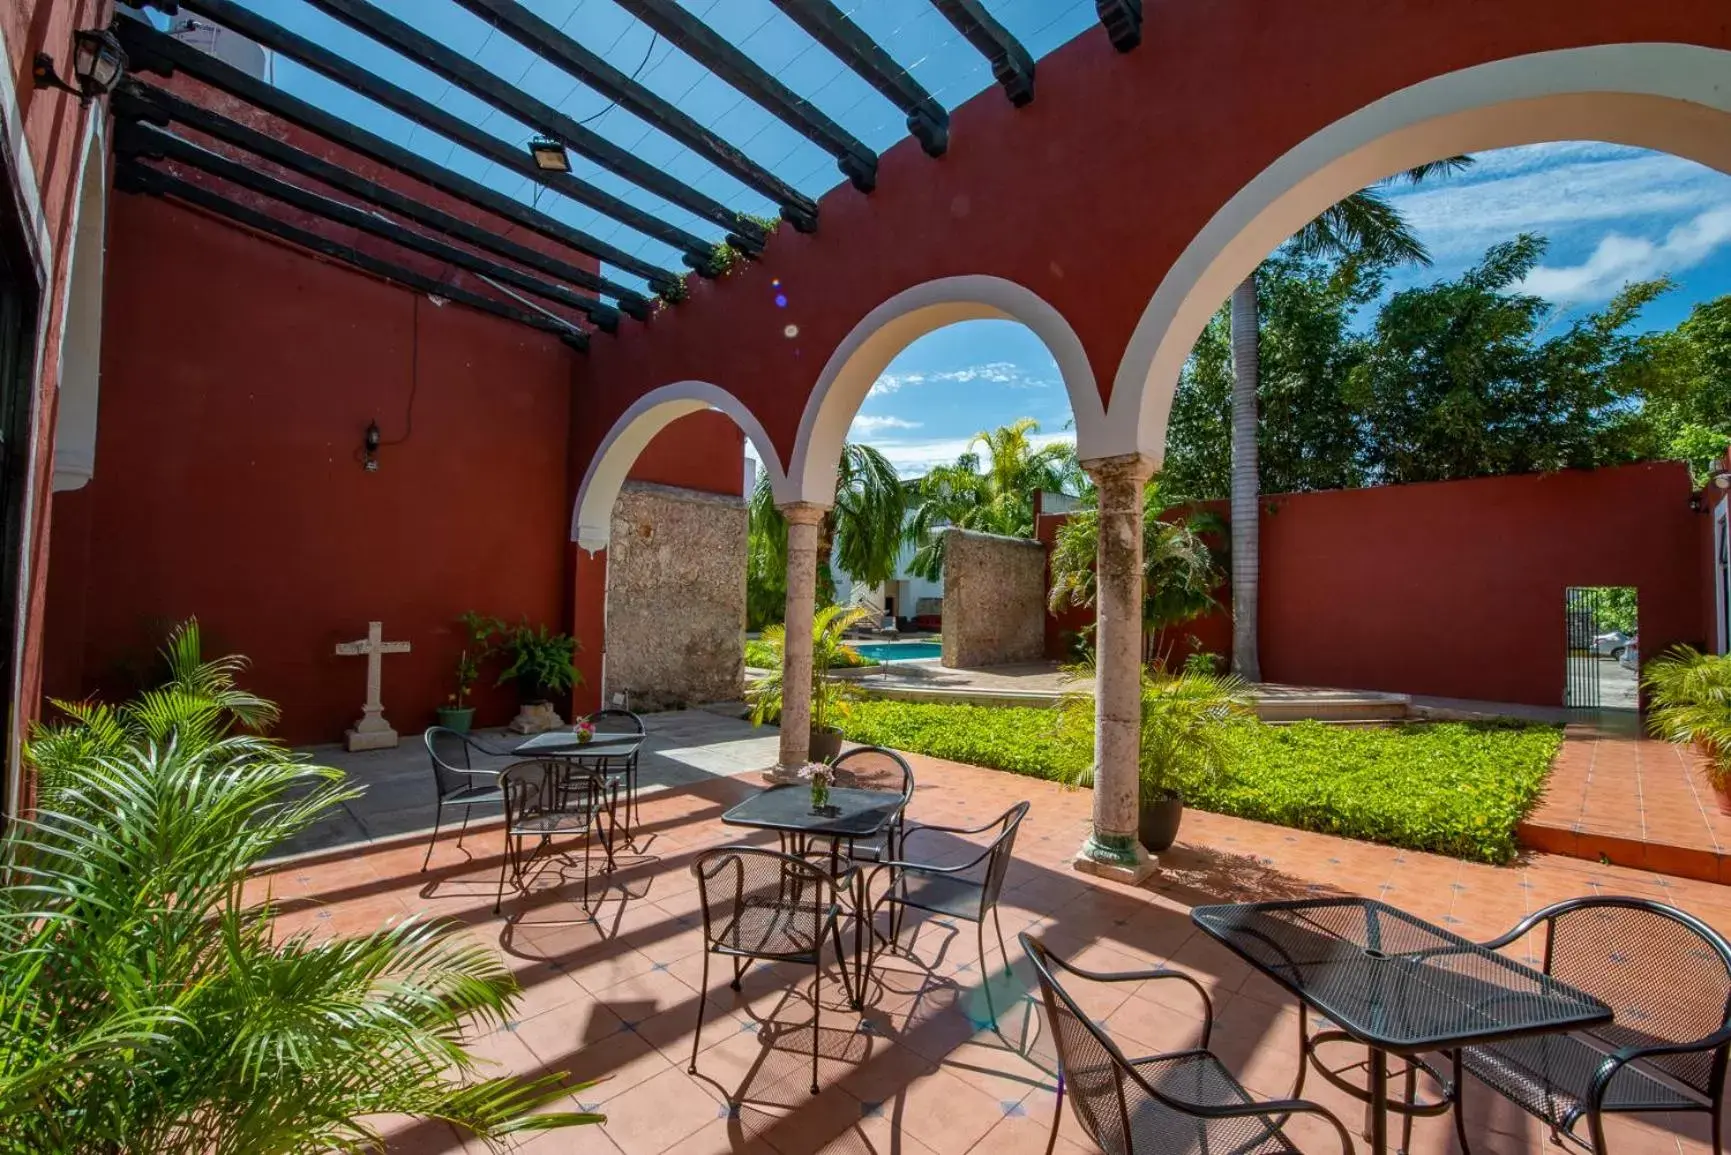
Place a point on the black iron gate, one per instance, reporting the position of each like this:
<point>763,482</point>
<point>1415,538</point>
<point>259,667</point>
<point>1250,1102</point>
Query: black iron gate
<point>1581,681</point>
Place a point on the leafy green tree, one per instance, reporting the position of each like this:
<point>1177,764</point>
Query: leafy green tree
<point>150,1006</point>
<point>862,531</point>
<point>993,493</point>
<point>1308,432</point>
<point>1459,380</point>
<point>1688,403</point>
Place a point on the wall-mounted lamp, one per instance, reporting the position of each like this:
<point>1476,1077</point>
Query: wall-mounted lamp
<point>549,155</point>
<point>370,447</point>
<point>98,63</point>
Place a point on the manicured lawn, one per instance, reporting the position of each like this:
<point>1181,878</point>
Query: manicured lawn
<point>1452,788</point>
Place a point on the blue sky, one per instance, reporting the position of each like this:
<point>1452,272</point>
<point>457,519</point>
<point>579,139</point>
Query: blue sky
<point>1612,215</point>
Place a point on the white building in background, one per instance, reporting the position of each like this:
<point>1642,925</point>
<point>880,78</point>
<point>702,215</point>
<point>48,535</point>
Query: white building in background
<point>903,597</point>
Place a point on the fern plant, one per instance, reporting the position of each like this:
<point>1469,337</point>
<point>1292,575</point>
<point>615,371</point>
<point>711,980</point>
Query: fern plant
<point>146,1005</point>
<point>1689,700</point>
<point>540,661</point>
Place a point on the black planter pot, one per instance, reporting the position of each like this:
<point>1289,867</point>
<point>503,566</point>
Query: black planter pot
<point>825,745</point>
<point>1157,824</point>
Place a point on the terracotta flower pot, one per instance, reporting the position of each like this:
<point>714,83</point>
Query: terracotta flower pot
<point>825,744</point>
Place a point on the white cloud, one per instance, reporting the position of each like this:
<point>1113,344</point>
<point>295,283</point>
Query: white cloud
<point>912,458</point>
<point>1552,189</point>
<point>1005,373</point>
<point>875,424</point>
<point>1619,259</point>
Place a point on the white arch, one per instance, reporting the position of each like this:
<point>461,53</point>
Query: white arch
<point>81,323</point>
<point>1671,97</point>
<point>909,315</point>
<point>592,517</point>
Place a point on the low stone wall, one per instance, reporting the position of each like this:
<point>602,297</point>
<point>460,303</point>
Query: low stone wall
<point>676,597</point>
<point>994,599</point>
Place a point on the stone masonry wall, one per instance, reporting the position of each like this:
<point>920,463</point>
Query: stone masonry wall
<point>675,597</point>
<point>994,599</point>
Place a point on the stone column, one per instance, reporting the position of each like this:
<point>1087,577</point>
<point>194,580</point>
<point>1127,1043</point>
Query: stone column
<point>803,518</point>
<point>1112,850</point>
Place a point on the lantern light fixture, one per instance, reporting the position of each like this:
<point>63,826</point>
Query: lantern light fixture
<point>98,63</point>
<point>549,155</point>
<point>370,447</point>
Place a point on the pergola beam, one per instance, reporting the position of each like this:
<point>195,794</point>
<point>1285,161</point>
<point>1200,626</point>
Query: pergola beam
<point>453,66</point>
<point>133,176</point>
<point>848,42</point>
<point>700,42</point>
<point>1123,21</point>
<point>150,50</point>
<point>1012,67</point>
<point>548,42</point>
<point>700,254</point>
<point>136,139</point>
<point>139,101</point>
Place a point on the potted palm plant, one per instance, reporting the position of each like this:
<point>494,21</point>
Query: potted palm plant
<point>481,631</point>
<point>542,663</point>
<point>1689,701</point>
<point>1186,738</point>
<point>830,699</point>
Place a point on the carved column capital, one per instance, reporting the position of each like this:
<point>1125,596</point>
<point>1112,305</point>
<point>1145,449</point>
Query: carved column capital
<point>1124,469</point>
<point>803,512</point>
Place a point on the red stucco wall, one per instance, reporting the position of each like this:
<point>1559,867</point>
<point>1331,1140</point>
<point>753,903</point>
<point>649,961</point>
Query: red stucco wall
<point>238,378</point>
<point>1455,589</point>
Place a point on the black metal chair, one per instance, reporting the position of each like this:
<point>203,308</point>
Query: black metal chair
<point>1665,973</point>
<point>624,766</point>
<point>966,890</point>
<point>875,768</point>
<point>547,799</point>
<point>456,780</point>
<point>762,904</point>
<point>1165,1104</point>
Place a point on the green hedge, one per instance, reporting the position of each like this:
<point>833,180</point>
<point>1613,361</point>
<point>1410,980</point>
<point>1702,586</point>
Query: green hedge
<point>1452,788</point>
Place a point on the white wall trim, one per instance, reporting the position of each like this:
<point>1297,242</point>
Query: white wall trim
<point>894,325</point>
<point>592,517</point>
<point>28,193</point>
<point>1672,97</point>
<point>78,381</point>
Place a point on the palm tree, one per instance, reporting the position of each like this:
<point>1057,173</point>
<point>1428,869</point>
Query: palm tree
<point>148,1005</point>
<point>996,499</point>
<point>862,530</point>
<point>1363,225</point>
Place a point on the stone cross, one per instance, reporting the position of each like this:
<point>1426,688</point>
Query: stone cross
<point>372,732</point>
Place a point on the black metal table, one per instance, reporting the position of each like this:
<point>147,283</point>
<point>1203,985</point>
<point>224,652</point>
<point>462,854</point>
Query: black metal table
<point>851,815</point>
<point>1394,983</point>
<point>604,754</point>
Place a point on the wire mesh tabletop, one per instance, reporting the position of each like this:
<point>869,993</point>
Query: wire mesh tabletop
<point>564,744</point>
<point>851,813</point>
<point>1393,981</point>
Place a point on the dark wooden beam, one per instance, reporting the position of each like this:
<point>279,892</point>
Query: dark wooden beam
<point>1012,67</point>
<point>137,139</point>
<point>847,41</point>
<point>137,101</point>
<point>718,54</point>
<point>463,72</point>
<point>135,177</point>
<point>548,42</point>
<point>1123,21</point>
<point>699,253</point>
<point>153,51</point>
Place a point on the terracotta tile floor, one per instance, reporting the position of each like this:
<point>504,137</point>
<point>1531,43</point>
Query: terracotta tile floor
<point>1636,801</point>
<point>919,1071</point>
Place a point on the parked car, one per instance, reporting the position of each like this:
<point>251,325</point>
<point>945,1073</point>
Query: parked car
<point>1611,645</point>
<point>1629,658</point>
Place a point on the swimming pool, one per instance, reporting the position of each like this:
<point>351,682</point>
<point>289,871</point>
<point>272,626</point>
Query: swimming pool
<point>900,651</point>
